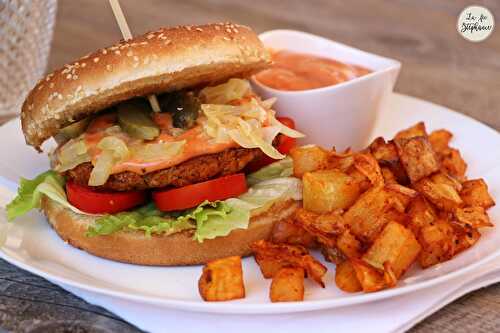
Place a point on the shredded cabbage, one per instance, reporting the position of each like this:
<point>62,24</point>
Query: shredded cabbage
<point>224,93</point>
<point>114,150</point>
<point>155,151</point>
<point>251,123</point>
<point>71,154</point>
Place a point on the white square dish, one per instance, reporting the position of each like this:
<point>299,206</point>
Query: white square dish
<point>344,114</point>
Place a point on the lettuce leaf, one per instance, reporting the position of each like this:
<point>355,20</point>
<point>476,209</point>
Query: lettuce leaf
<point>278,169</point>
<point>208,220</point>
<point>146,218</point>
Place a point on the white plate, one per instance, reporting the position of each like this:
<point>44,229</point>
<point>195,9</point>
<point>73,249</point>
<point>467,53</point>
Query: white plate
<point>32,245</point>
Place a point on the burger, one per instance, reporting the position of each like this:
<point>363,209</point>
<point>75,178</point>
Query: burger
<point>164,155</point>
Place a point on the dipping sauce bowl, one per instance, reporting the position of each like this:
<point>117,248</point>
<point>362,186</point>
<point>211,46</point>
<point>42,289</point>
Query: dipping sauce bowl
<point>341,115</point>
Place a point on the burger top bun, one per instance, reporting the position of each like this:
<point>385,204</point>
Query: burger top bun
<point>165,60</point>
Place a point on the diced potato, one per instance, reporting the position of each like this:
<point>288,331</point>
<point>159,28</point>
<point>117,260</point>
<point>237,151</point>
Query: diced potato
<point>288,285</point>
<point>360,179</point>
<point>453,163</point>
<point>417,157</point>
<point>370,279</point>
<point>349,245</point>
<point>345,277</point>
<point>368,166</point>
<point>475,193</point>
<point>416,130</point>
<point>340,161</point>
<point>438,243</point>
<point>325,227</point>
<point>421,214</point>
<point>403,194</point>
<point>396,245</point>
<point>466,239</point>
<point>365,217</point>
<point>307,159</point>
<point>222,280</point>
<point>472,217</point>
<point>327,190</point>
<point>271,257</point>
<point>290,232</point>
<point>388,176</point>
<point>440,140</point>
<point>441,191</point>
<point>333,254</point>
<point>384,152</point>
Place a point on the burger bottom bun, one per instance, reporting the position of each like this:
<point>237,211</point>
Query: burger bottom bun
<point>172,250</point>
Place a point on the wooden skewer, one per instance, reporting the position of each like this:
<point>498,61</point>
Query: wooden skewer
<point>124,28</point>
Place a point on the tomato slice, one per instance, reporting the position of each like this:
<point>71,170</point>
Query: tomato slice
<point>90,201</point>
<point>285,144</point>
<point>192,195</point>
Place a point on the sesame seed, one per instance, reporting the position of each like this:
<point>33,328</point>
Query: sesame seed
<point>129,53</point>
<point>217,27</point>
<point>163,37</point>
<point>143,43</point>
<point>68,76</point>
<point>75,77</point>
<point>150,36</point>
<point>167,42</point>
<point>136,58</point>
<point>104,51</point>
<point>96,59</point>
<point>109,67</point>
<point>83,65</point>
<point>228,30</point>
<point>226,38</point>
<point>117,52</point>
<point>199,29</point>
<point>188,27</point>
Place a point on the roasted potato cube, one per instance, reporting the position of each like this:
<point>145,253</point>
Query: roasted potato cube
<point>438,243</point>
<point>307,159</point>
<point>360,179</point>
<point>325,227</point>
<point>440,140</point>
<point>384,152</point>
<point>341,161</point>
<point>345,277</point>
<point>441,190</point>
<point>388,176</point>
<point>349,245</point>
<point>421,214</point>
<point>268,267</point>
<point>416,130</point>
<point>288,285</point>
<point>368,166</point>
<point>453,163</point>
<point>290,232</point>
<point>285,255</point>
<point>466,239</point>
<point>327,190</point>
<point>475,193</point>
<point>369,278</point>
<point>333,254</point>
<point>417,157</point>
<point>222,280</point>
<point>472,217</point>
<point>366,216</point>
<point>396,245</point>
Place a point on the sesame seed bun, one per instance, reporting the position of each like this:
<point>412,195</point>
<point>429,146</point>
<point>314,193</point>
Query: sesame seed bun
<point>173,250</point>
<point>165,60</point>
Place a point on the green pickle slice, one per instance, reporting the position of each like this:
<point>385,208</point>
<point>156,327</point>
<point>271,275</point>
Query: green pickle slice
<point>134,118</point>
